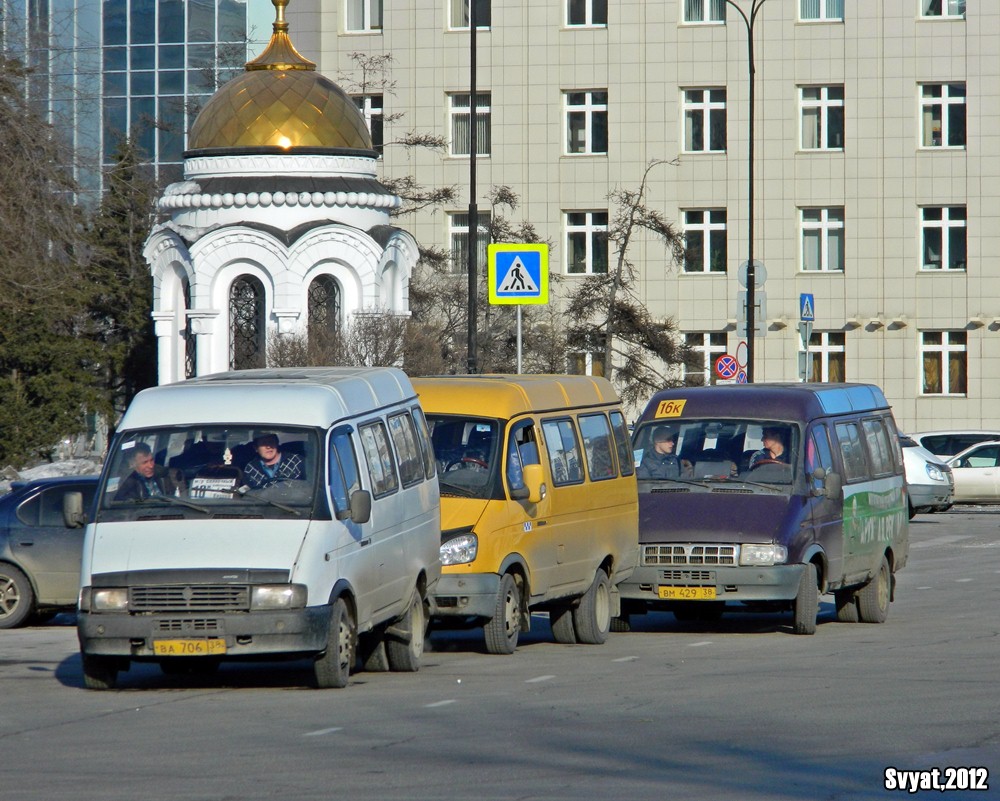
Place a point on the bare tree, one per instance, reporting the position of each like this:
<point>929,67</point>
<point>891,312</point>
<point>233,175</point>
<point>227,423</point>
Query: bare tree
<point>604,311</point>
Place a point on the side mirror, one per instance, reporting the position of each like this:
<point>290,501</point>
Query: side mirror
<point>534,481</point>
<point>361,506</point>
<point>73,515</point>
<point>833,486</point>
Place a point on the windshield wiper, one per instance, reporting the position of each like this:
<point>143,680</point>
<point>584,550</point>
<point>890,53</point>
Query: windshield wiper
<point>172,499</point>
<point>241,492</point>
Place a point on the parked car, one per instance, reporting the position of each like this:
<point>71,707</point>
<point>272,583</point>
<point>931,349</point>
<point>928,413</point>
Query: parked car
<point>39,554</point>
<point>929,482</point>
<point>977,473</point>
<point>945,444</point>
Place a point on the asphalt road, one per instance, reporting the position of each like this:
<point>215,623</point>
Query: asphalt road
<point>744,710</point>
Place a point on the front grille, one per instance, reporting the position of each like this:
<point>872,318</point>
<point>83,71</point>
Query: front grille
<point>192,625</point>
<point>190,598</point>
<point>688,576</point>
<point>689,554</point>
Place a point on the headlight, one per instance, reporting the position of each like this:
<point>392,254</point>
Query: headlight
<point>934,473</point>
<point>459,550</point>
<point>763,554</point>
<point>110,599</point>
<point>278,596</point>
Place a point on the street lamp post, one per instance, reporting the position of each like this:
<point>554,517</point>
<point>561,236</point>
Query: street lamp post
<point>748,22</point>
<point>472,354</point>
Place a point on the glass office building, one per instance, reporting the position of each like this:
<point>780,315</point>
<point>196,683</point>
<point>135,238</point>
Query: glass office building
<point>102,68</point>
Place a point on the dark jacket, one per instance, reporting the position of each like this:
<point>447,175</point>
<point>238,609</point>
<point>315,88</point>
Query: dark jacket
<point>659,465</point>
<point>134,486</point>
<point>289,467</point>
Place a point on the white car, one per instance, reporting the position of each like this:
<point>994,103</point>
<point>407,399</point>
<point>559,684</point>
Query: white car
<point>929,481</point>
<point>977,473</point>
<point>945,444</point>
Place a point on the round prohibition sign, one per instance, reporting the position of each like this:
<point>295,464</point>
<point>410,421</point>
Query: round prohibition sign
<point>726,366</point>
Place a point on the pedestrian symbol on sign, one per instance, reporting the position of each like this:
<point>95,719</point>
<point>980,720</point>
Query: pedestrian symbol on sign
<point>517,279</point>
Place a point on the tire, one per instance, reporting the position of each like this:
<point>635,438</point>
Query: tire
<point>846,602</point>
<point>874,597</point>
<point>17,598</point>
<point>100,672</point>
<point>371,650</point>
<point>561,620</point>
<point>621,624</point>
<point>913,512</point>
<point>806,606</point>
<point>592,617</point>
<point>503,629</point>
<point>333,668</point>
<point>404,641</point>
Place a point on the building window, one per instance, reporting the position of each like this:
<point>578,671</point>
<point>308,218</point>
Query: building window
<point>461,135</point>
<point>586,242</point>
<point>705,241</point>
<point>823,240</point>
<point>586,122</point>
<point>942,8</point>
<point>460,14</point>
<point>821,10</point>
<point>587,13</point>
<point>942,114</point>
<point>707,347</point>
<point>944,362</point>
<point>323,305</point>
<point>822,117</point>
<point>704,120</point>
<point>364,15</point>
<point>943,234</point>
<point>246,324</point>
<point>188,335</point>
<point>704,10</point>
<point>826,356</point>
<point>458,238</point>
<point>370,107</point>
<point>588,360</point>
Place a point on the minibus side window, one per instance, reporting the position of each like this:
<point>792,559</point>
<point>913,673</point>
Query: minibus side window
<point>424,437</point>
<point>897,450</point>
<point>818,454</point>
<point>343,470</point>
<point>626,461</point>
<point>878,447</point>
<point>564,451</point>
<point>522,449</point>
<point>404,437</point>
<point>596,435</point>
<point>849,439</point>
<point>381,466</point>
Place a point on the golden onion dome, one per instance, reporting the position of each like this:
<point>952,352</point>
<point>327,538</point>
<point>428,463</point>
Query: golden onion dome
<point>280,103</point>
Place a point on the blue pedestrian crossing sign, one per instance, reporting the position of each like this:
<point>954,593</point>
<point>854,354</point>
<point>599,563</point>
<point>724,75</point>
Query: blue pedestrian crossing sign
<point>518,273</point>
<point>807,308</point>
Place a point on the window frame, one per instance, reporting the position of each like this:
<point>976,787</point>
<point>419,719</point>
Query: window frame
<point>823,15</point>
<point>590,110</point>
<point>457,114</point>
<point>588,14</point>
<point>824,226</point>
<point>456,244</point>
<point>411,466</point>
<point>946,226</point>
<point>945,12</point>
<point>942,353</point>
<point>453,6</point>
<point>363,9</point>
<point>375,433</point>
<point>593,233</point>
<point>709,352</point>
<point>707,7</point>
<point>825,108</point>
<point>821,352</point>
<point>583,421</point>
<point>563,424</point>
<point>945,100</point>
<point>704,229</point>
<point>707,109</point>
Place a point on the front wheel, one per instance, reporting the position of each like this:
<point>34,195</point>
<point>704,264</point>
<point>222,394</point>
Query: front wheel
<point>333,668</point>
<point>17,599</point>
<point>100,672</point>
<point>404,642</point>
<point>592,617</point>
<point>806,602</point>
<point>502,630</point>
<point>873,598</point>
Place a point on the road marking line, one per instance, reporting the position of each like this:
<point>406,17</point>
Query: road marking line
<point>538,678</point>
<point>699,644</point>
<point>963,580</point>
<point>626,659</point>
<point>320,732</point>
<point>439,703</point>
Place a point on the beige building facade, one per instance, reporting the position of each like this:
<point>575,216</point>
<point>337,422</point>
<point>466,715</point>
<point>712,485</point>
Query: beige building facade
<point>877,138</point>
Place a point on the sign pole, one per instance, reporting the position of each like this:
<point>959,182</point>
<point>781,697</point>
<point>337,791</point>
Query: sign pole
<point>519,340</point>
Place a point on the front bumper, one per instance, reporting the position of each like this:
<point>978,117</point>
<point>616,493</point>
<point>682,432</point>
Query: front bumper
<point>732,584</point>
<point>246,634</point>
<point>467,595</point>
<point>930,496</point>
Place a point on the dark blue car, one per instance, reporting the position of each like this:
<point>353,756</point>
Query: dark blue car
<point>39,553</point>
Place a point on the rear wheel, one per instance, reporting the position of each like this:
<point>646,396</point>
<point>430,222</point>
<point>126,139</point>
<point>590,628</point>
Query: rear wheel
<point>873,598</point>
<point>371,650</point>
<point>404,642</point>
<point>592,617</point>
<point>100,672</point>
<point>621,623</point>
<point>846,602</point>
<point>806,605</point>
<point>17,599</point>
<point>503,628</point>
<point>561,621</point>
<point>333,668</point>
